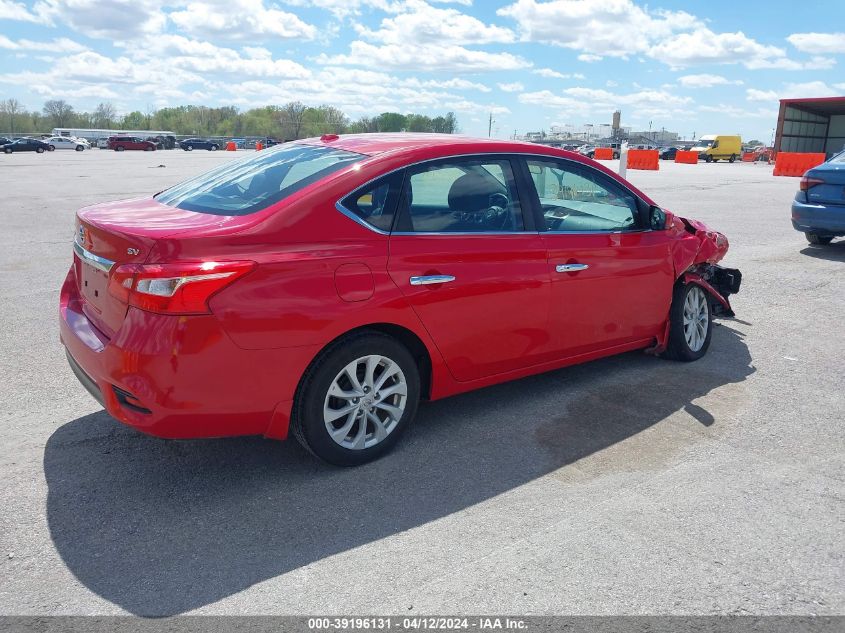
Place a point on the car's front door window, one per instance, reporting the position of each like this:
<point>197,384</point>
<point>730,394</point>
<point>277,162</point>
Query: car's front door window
<point>579,199</point>
<point>461,196</point>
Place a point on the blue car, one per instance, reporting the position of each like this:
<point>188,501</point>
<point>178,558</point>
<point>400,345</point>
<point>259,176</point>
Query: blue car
<point>818,210</point>
<point>191,144</point>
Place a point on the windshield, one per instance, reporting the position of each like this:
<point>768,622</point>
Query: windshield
<point>705,143</point>
<point>249,185</point>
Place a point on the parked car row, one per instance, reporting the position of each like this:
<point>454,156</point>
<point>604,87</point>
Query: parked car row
<point>25,145</point>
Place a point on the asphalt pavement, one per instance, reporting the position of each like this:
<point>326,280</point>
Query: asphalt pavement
<point>630,485</point>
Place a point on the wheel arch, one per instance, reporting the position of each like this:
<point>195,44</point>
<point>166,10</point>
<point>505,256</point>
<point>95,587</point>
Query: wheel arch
<point>407,337</point>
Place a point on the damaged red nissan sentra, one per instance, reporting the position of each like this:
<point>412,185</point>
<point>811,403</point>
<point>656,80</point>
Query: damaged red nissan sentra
<point>324,287</point>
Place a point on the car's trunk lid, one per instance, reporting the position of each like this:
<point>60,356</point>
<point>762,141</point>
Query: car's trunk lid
<point>832,190</point>
<point>125,232</point>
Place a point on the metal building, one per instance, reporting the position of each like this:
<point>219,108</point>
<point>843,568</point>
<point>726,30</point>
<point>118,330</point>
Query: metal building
<point>811,125</point>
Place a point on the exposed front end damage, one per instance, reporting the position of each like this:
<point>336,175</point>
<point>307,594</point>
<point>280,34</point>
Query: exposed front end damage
<point>696,253</point>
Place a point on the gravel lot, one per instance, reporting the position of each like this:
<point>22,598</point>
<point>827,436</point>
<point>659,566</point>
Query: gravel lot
<point>629,485</point>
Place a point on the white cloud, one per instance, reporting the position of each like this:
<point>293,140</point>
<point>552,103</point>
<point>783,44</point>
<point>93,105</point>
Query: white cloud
<point>18,11</point>
<point>620,28</point>
<point>818,43</point>
<point>240,20</point>
<point>114,19</point>
<point>753,94</point>
<point>603,28</point>
<point>432,57</point>
<point>422,24</point>
<point>703,46</point>
<point>799,90</point>
<point>59,45</point>
<point>734,112</point>
<point>548,72</point>
<point>592,102</point>
<point>706,80</point>
<point>511,87</point>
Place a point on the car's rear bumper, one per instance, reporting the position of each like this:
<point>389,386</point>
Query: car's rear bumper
<point>180,376</point>
<point>818,218</point>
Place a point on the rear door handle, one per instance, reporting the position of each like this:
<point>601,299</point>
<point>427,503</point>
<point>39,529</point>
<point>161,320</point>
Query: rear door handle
<point>571,268</point>
<point>426,280</point>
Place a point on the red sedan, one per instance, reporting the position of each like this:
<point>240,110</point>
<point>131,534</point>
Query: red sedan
<point>324,287</point>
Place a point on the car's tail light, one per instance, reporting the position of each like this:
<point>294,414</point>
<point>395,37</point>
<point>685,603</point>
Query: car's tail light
<point>174,288</point>
<point>808,183</point>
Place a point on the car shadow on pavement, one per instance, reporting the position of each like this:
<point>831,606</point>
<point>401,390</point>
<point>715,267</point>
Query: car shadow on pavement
<point>835,251</point>
<point>163,527</point>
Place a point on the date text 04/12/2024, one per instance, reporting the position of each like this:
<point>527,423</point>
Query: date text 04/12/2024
<point>417,623</point>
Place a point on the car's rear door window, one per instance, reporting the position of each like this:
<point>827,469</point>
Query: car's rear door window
<point>470,195</point>
<point>245,186</point>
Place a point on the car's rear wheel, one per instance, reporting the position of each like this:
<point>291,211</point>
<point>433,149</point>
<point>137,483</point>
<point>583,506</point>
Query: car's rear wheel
<point>119,148</point>
<point>148,148</point>
<point>732,158</point>
<point>8,150</point>
<point>356,399</point>
<point>52,147</point>
<point>690,323</point>
<point>815,238</point>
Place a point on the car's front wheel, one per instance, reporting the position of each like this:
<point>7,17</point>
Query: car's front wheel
<point>189,148</point>
<point>356,399</point>
<point>39,150</point>
<point>815,238</point>
<point>690,323</point>
<point>8,150</point>
<point>119,148</point>
<point>79,148</point>
<point>213,148</point>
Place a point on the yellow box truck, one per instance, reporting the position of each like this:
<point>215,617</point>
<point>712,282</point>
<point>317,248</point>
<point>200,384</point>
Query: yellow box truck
<point>715,147</point>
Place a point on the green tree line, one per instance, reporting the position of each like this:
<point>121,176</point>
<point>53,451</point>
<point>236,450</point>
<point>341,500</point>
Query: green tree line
<point>285,122</point>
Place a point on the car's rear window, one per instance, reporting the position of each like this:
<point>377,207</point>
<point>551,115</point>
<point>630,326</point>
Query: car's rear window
<point>245,186</point>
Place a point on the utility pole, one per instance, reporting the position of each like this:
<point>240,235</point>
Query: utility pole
<point>490,126</point>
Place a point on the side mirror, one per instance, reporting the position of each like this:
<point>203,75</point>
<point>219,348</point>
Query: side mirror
<point>656,219</point>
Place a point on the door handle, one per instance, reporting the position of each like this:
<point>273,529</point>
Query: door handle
<point>571,268</point>
<point>426,280</point>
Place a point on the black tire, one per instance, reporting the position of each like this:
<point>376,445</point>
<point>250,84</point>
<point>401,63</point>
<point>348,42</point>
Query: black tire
<point>80,148</point>
<point>708,159</point>
<point>119,148</point>
<point>213,148</point>
<point>821,240</point>
<point>39,150</point>
<point>677,347</point>
<point>8,150</point>
<point>307,423</point>
<point>52,148</point>
<point>732,158</point>
<point>189,148</point>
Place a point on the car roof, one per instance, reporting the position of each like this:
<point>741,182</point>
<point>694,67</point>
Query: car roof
<point>372,144</point>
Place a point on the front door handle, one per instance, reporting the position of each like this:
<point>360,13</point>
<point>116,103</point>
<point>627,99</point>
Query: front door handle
<point>571,268</point>
<point>426,280</point>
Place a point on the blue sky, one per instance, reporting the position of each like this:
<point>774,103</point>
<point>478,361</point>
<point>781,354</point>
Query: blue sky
<point>703,67</point>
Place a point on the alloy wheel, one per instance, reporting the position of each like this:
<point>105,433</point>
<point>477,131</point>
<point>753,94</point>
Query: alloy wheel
<point>696,318</point>
<point>365,402</point>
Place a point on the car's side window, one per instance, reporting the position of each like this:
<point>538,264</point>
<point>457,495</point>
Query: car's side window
<point>578,198</point>
<point>375,203</point>
<point>472,195</point>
